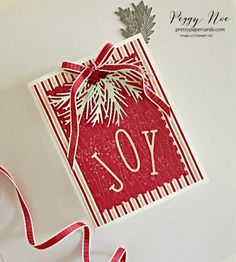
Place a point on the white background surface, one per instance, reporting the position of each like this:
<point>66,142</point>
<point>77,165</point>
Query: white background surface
<point>197,226</point>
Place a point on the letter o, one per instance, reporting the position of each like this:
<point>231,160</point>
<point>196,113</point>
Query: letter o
<point>121,152</point>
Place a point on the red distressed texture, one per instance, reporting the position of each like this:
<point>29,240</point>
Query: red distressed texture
<point>142,115</point>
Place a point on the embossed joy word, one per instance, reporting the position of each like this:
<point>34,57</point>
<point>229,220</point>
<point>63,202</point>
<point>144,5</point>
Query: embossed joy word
<point>150,143</point>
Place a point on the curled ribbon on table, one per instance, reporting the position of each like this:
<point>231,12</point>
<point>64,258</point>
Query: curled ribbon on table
<point>101,65</point>
<point>118,256</point>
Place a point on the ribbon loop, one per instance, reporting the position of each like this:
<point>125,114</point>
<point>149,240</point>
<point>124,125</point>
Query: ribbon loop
<point>105,54</point>
<point>72,67</point>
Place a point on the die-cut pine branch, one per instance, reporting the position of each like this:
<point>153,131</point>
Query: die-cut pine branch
<point>96,103</point>
<point>144,20</point>
<point>103,100</point>
<point>61,100</point>
<point>132,86</point>
<point>129,19</point>
<point>115,100</point>
<point>136,21</point>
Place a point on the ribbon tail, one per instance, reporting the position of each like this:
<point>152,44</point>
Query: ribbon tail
<point>74,122</point>
<point>57,237</point>
<point>154,98</point>
<point>120,255</point>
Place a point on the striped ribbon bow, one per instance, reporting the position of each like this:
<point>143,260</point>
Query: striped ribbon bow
<point>101,65</point>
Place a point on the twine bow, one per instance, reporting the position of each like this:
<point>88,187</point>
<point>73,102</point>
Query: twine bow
<point>101,66</point>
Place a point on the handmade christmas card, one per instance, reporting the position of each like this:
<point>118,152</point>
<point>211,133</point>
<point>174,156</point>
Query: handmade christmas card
<point>117,132</point>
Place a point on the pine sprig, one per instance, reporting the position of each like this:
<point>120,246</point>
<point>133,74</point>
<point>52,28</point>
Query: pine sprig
<point>100,101</point>
<point>145,20</point>
<point>138,20</point>
<point>115,101</point>
<point>61,102</point>
<point>129,19</point>
<point>132,86</point>
<point>95,104</point>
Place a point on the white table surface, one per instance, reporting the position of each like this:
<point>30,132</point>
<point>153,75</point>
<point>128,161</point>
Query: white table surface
<point>197,226</point>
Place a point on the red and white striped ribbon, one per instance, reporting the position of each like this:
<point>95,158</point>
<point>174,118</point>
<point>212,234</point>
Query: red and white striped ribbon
<point>118,256</point>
